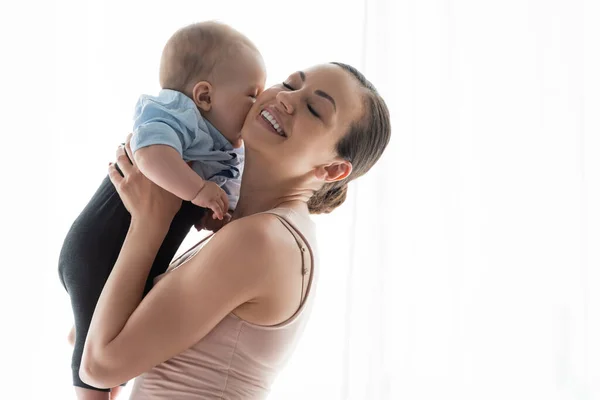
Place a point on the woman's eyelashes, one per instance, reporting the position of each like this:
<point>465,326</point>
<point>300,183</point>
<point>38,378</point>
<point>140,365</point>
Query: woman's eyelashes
<point>310,108</point>
<point>312,111</point>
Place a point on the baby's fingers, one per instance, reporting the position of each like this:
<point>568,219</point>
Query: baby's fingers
<point>217,208</point>
<point>224,201</point>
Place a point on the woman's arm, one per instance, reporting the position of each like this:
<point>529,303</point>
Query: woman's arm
<point>128,337</point>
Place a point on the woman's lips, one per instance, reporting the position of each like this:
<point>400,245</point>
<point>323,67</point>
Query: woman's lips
<point>267,125</point>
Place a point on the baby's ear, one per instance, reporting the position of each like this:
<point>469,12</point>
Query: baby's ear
<point>201,94</point>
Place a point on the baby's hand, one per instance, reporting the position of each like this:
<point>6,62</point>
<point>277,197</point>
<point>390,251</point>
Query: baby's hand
<point>213,197</point>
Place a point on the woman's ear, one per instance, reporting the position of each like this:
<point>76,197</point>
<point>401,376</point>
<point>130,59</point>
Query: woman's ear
<point>201,94</point>
<point>336,171</point>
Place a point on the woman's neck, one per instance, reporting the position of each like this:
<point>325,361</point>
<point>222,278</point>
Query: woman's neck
<point>264,188</point>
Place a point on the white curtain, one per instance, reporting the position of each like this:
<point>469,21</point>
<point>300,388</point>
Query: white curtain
<point>475,253</point>
<point>464,265</point>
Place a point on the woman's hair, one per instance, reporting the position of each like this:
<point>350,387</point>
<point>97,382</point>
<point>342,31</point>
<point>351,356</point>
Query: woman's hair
<point>362,146</point>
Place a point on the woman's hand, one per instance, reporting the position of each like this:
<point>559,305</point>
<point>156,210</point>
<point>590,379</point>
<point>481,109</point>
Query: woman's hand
<point>143,198</point>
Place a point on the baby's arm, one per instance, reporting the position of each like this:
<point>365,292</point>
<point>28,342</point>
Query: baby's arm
<point>164,127</point>
<point>163,165</point>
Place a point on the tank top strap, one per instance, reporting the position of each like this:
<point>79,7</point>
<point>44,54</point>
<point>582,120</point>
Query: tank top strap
<point>283,215</point>
<point>303,245</point>
<point>299,241</point>
<point>185,256</point>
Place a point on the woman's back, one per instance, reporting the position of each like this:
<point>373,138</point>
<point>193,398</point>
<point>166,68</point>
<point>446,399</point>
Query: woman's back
<point>237,359</point>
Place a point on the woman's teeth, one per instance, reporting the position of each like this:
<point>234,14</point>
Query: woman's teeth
<point>267,115</point>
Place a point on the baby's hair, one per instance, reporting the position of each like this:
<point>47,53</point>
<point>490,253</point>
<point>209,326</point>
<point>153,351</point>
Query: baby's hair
<point>193,52</point>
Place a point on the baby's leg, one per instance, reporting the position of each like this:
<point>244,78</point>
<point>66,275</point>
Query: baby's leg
<point>91,249</point>
<point>89,252</point>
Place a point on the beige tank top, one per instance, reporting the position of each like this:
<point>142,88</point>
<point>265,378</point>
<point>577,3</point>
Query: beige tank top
<point>237,359</point>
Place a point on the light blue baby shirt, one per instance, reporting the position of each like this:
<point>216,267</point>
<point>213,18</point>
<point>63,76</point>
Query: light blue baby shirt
<point>172,119</point>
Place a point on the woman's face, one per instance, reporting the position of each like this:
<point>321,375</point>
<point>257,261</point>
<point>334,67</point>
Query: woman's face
<point>296,124</point>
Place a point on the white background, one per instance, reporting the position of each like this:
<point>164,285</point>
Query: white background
<point>465,265</point>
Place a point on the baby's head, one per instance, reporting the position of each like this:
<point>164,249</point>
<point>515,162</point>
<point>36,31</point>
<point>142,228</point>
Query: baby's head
<point>219,69</point>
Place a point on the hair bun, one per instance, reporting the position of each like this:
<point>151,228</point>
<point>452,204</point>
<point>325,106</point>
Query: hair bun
<point>328,198</point>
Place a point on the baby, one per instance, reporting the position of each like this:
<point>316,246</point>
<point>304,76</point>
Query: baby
<point>210,76</point>
<point>186,140</point>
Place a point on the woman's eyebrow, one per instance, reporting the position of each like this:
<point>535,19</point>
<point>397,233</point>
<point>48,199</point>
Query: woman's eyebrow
<point>326,96</point>
<point>319,92</point>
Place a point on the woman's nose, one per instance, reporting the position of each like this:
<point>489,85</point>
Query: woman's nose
<point>285,100</point>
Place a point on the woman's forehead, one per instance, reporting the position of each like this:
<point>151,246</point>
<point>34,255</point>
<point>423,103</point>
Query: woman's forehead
<point>335,82</point>
<point>323,73</point>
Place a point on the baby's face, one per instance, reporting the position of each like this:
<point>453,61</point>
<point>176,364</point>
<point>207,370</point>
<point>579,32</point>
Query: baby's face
<point>235,92</point>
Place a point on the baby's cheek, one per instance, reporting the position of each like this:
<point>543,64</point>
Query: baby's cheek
<point>237,121</point>
<point>243,114</point>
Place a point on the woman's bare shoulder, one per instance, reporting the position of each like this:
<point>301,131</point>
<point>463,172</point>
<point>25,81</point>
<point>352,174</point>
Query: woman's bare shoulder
<point>257,233</point>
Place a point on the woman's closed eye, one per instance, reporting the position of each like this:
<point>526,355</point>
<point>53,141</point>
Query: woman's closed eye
<point>310,108</point>
<point>312,111</point>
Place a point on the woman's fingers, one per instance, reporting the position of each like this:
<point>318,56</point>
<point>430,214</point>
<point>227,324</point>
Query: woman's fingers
<point>128,149</point>
<point>114,175</point>
<point>123,161</point>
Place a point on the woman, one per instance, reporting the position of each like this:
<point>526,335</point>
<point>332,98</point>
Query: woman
<point>224,319</point>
